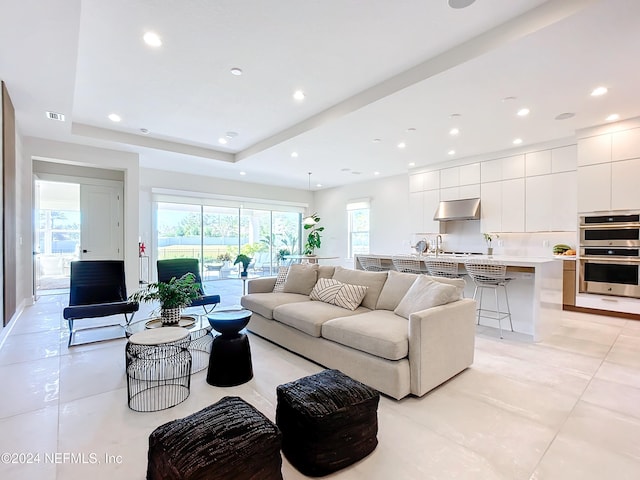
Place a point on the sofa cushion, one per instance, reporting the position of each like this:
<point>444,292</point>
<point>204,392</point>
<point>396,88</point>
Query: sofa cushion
<point>373,280</point>
<point>396,287</point>
<point>326,271</point>
<point>337,293</point>
<point>308,318</point>
<point>264,303</point>
<point>398,284</point>
<point>301,278</point>
<point>380,332</point>
<point>280,279</point>
<point>426,293</point>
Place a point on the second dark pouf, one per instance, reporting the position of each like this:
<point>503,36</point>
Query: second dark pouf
<point>328,421</point>
<point>227,440</point>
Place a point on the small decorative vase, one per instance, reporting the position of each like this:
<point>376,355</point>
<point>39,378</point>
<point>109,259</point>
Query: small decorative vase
<point>170,316</point>
<point>489,250</point>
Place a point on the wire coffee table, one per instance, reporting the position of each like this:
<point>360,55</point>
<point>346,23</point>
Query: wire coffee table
<point>200,332</point>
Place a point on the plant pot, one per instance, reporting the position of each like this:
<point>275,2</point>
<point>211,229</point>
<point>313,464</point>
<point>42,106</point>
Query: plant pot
<point>489,250</point>
<point>170,316</point>
<point>244,274</point>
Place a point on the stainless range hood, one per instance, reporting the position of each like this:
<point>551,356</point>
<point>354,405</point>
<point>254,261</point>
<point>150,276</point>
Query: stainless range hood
<point>467,209</point>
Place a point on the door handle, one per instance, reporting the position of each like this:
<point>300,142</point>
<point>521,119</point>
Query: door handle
<point>85,251</point>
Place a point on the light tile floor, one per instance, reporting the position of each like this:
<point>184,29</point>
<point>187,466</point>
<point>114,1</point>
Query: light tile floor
<point>566,408</point>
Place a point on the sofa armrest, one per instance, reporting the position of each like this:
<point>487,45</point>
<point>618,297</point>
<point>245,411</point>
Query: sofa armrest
<point>441,343</point>
<point>261,285</point>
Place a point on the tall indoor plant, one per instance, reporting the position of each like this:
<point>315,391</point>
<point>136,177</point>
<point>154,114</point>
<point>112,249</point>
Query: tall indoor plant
<point>173,296</point>
<point>314,239</point>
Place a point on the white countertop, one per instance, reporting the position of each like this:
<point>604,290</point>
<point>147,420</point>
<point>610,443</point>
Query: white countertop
<point>509,260</point>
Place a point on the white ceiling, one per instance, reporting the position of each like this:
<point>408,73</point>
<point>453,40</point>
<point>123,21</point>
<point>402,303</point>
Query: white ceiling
<point>369,68</point>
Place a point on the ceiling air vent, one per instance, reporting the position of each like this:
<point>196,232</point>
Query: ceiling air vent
<point>55,116</point>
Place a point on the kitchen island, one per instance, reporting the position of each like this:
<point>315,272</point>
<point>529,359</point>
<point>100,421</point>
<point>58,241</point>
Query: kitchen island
<point>535,294</point>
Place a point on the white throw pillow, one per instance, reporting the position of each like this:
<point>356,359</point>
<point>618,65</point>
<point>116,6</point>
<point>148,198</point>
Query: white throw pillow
<point>343,295</point>
<point>280,279</point>
<point>423,294</point>
<point>301,278</point>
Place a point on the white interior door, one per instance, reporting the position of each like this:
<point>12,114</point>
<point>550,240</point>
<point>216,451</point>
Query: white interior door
<point>101,213</point>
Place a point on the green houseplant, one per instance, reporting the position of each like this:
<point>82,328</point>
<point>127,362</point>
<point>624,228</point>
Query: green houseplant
<point>314,239</point>
<point>488,237</point>
<point>173,296</point>
<point>245,261</point>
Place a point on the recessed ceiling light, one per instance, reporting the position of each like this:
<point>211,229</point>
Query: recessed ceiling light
<point>114,117</point>
<point>455,115</point>
<point>523,112</point>
<point>236,71</point>
<point>144,130</point>
<point>376,140</point>
<point>402,145</point>
<point>152,39</point>
<point>356,173</point>
<point>294,154</point>
<point>451,152</point>
<point>599,91</point>
<point>411,129</point>
<point>412,164</point>
<point>318,185</point>
<point>231,134</point>
<point>460,3</point>
<point>613,117</point>
<point>222,140</point>
<point>345,169</point>
<point>454,131</point>
<point>299,95</point>
<point>376,173</point>
<point>517,141</point>
<point>565,116</point>
<point>243,173</point>
<point>508,99</point>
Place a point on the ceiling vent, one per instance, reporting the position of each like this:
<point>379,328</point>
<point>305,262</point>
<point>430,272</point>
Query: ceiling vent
<point>55,116</point>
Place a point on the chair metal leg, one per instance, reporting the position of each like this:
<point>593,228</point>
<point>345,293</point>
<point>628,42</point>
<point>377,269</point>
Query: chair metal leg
<point>506,297</point>
<point>70,321</point>
<point>204,307</point>
<point>498,314</point>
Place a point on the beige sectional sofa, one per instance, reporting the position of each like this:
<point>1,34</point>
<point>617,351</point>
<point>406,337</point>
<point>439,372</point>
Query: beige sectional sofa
<point>396,355</point>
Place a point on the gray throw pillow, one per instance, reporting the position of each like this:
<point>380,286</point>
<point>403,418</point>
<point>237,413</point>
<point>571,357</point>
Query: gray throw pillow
<point>301,278</point>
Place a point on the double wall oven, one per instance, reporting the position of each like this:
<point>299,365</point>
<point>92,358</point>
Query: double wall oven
<point>610,254</point>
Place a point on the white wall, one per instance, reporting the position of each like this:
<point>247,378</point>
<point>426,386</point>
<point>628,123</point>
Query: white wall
<point>81,155</point>
<point>390,230</point>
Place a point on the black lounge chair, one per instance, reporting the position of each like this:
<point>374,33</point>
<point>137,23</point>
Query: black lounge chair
<point>98,289</point>
<point>177,267</point>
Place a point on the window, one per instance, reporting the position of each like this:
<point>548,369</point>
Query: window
<point>358,216</point>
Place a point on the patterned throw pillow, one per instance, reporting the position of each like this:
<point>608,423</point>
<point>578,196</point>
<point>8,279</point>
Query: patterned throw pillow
<point>343,295</point>
<point>282,277</point>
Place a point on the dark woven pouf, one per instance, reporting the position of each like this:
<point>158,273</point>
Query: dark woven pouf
<point>227,440</point>
<point>328,421</point>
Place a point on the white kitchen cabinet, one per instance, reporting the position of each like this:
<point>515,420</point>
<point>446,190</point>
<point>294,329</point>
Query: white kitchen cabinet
<point>625,191</point>
<point>538,163</point>
<point>449,177</point>
<point>491,171</point>
<point>594,150</point>
<point>431,199</point>
<point>538,204</point>
<point>625,145</point>
<point>551,202</point>
<point>452,193</point>
<point>470,174</point>
<point>513,167</point>
<point>564,202</point>
<point>431,180</point>
<point>594,187</point>
<point>469,191</point>
<point>491,207</point>
<point>416,211</point>
<point>416,182</point>
<point>564,159</point>
<point>513,205</point>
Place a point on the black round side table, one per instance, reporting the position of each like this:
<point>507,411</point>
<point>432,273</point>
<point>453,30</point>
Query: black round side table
<point>230,359</point>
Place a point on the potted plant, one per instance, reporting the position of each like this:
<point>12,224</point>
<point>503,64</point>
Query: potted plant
<point>283,252</point>
<point>245,261</point>
<point>313,239</point>
<point>488,237</point>
<point>173,296</point>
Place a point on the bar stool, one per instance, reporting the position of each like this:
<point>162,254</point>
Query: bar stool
<point>490,274</point>
<point>371,264</point>
<point>408,264</point>
<point>442,268</point>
